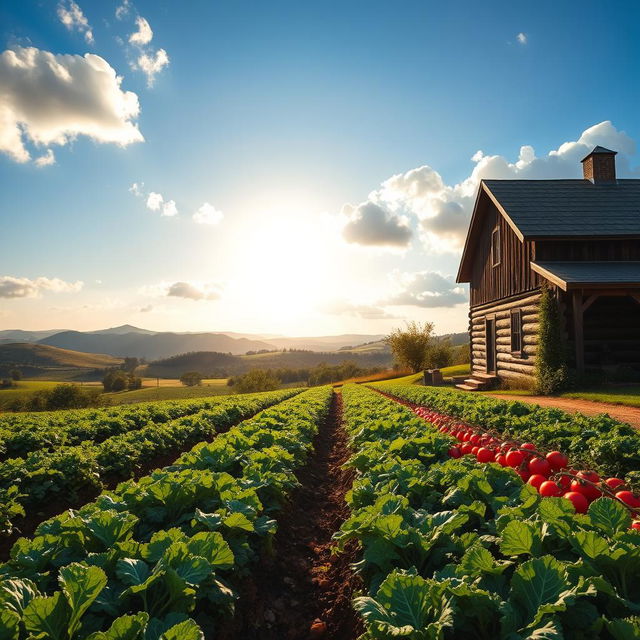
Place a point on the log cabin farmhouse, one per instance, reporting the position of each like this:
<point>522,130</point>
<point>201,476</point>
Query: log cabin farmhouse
<point>582,238</point>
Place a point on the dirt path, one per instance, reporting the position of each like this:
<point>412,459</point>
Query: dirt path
<point>588,407</point>
<point>302,591</point>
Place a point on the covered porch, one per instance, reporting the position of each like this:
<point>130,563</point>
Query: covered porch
<point>601,302</point>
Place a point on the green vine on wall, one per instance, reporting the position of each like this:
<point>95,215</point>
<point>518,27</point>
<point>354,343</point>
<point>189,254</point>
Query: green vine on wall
<point>551,365</point>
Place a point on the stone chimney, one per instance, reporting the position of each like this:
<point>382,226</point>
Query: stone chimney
<point>600,166</point>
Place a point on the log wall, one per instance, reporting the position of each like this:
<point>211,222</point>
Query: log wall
<point>508,365</point>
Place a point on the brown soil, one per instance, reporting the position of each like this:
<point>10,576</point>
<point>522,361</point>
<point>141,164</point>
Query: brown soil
<point>302,590</point>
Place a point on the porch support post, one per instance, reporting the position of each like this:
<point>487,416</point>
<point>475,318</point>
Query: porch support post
<point>578,332</point>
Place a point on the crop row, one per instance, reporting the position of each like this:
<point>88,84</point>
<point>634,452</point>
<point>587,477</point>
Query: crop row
<point>597,442</point>
<point>456,549</point>
<point>23,433</point>
<point>31,483</point>
<point>172,545</point>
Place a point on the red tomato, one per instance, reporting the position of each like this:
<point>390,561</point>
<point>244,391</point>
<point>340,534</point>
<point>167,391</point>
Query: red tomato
<point>636,525</point>
<point>485,455</point>
<point>540,466</point>
<point>557,460</point>
<point>591,476</point>
<point>501,460</point>
<point>514,458</point>
<point>550,489</point>
<point>454,452</point>
<point>523,474</point>
<point>588,491</point>
<point>528,445</point>
<point>475,450</point>
<point>536,480</point>
<point>628,498</point>
<point>580,503</point>
<point>613,483</point>
<point>467,436</point>
<point>466,448</point>
<point>474,439</point>
<point>564,482</point>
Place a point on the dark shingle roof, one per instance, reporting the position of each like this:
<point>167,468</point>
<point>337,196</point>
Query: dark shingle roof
<point>590,273</point>
<point>599,150</point>
<point>547,208</point>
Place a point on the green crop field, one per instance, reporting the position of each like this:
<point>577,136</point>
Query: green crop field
<point>169,390</point>
<point>419,512</point>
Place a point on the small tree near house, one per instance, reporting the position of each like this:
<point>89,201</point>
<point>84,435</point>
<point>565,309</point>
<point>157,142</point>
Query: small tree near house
<point>411,346</point>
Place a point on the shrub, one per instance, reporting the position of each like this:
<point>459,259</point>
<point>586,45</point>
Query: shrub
<point>551,368</point>
<point>191,378</point>
<point>256,380</point>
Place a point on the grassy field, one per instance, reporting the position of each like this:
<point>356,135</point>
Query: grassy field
<point>28,387</point>
<point>173,391</point>
<point>624,395</point>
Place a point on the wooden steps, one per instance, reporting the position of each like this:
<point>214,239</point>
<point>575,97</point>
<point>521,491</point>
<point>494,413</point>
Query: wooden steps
<point>478,382</point>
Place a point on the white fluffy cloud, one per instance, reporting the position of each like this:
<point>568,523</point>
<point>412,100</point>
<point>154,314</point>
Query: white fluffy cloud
<point>155,201</point>
<point>427,289</point>
<point>143,35</point>
<point>371,224</point>
<point>11,287</point>
<point>364,311</point>
<point>522,38</point>
<point>142,56</point>
<point>193,291</point>
<point>122,10</point>
<point>48,99</point>
<point>441,212</point>
<point>71,16</point>
<point>208,214</point>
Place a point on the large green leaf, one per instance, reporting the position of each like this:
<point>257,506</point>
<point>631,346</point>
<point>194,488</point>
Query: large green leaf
<point>47,617</point>
<point>9,625</point>
<point>538,582</point>
<point>16,594</point>
<point>124,628</point>
<point>132,571</point>
<point>187,630</point>
<point>213,547</point>
<point>81,585</point>
<point>407,605</point>
<point>624,629</point>
<point>609,515</point>
<point>111,526</point>
<point>520,537</point>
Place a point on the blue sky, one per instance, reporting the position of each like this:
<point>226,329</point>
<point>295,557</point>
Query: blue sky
<point>278,115</point>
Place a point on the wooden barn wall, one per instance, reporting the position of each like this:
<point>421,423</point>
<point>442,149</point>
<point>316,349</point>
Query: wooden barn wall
<point>579,250</point>
<point>513,275</point>
<point>508,365</point>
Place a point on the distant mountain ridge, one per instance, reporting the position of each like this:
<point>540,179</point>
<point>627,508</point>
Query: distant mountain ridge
<point>128,340</point>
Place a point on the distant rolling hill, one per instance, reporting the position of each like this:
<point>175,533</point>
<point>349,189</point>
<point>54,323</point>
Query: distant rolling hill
<point>52,363</point>
<point>222,365</point>
<point>151,346</point>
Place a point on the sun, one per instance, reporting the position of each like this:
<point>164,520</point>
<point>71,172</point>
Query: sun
<point>285,270</point>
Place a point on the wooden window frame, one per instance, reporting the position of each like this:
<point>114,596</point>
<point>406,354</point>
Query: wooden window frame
<point>516,332</point>
<point>496,249</point>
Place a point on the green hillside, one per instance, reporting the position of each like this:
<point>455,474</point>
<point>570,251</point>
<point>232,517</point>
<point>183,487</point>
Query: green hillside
<point>52,363</point>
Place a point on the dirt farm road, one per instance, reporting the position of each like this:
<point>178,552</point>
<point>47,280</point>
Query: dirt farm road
<point>571,405</point>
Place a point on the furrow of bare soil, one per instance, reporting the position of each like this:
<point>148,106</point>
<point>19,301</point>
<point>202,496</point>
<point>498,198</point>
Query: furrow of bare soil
<point>25,527</point>
<point>302,590</point>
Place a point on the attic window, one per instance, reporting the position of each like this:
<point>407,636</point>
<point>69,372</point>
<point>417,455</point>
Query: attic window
<point>495,247</point>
